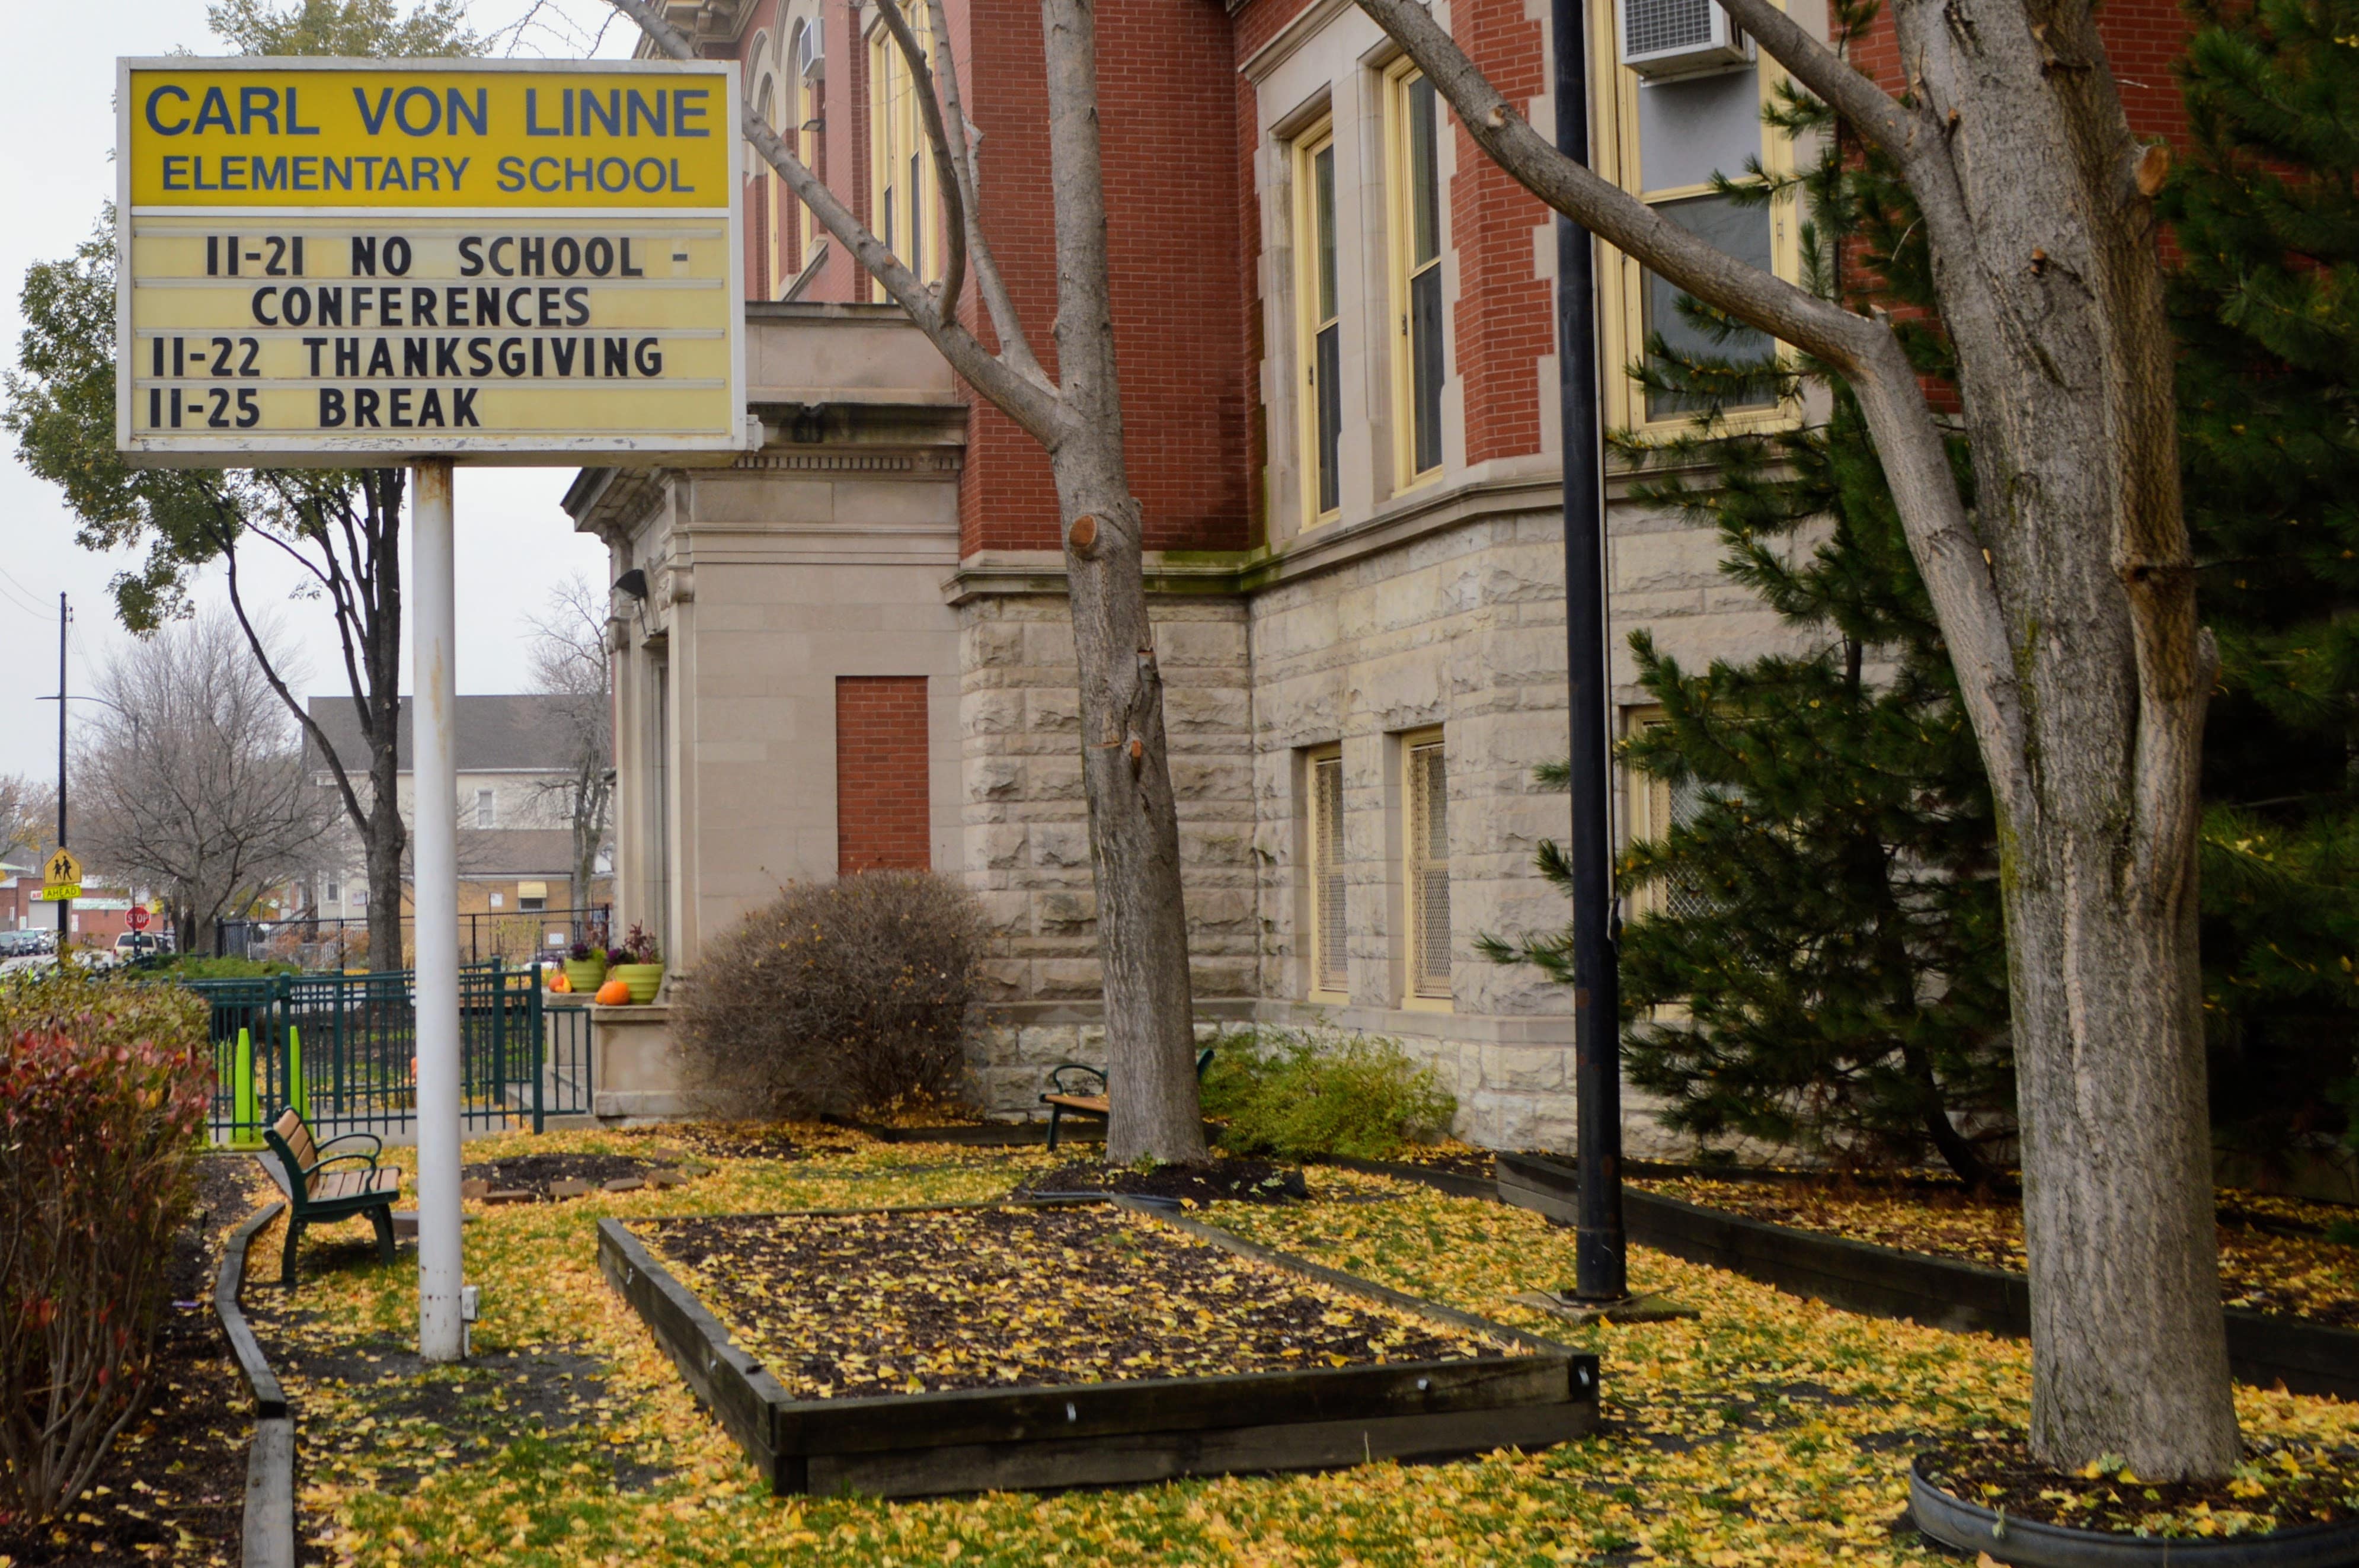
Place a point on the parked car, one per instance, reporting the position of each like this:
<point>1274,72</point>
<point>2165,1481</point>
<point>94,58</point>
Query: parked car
<point>137,945</point>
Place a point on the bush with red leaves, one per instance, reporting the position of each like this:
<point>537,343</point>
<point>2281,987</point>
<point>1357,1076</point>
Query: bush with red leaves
<point>103,1097</point>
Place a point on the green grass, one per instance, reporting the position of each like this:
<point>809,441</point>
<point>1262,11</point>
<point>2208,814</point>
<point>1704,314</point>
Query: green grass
<point>1770,1431</point>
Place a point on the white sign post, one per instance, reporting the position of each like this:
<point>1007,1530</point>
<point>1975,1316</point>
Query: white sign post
<point>366,263</point>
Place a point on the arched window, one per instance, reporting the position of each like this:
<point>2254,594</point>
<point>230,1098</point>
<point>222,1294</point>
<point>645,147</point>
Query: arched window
<point>803,58</point>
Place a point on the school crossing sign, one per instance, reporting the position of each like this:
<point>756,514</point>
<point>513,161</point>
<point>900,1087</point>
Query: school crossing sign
<point>350,262</point>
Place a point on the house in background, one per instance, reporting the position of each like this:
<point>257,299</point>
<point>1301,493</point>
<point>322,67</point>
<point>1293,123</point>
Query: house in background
<point>515,753</point>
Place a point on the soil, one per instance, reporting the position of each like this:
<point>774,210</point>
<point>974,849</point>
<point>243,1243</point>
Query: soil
<point>2279,1488</point>
<point>1222,1181</point>
<point>734,1141</point>
<point>173,1487</point>
<point>2268,1266</point>
<point>535,1173</point>
<point>433,1415</point>
<point>1450,1159</point>
<point>848,1305</point>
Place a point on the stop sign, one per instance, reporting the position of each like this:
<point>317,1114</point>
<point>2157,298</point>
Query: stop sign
<point>137,918</point>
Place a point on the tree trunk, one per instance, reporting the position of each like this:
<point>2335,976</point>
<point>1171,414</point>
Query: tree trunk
<point>385,842</point>
<point>1133,818</point>
<point>2051,286</point>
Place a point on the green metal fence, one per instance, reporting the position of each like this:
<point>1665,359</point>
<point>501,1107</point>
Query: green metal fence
<point>343,1049</point>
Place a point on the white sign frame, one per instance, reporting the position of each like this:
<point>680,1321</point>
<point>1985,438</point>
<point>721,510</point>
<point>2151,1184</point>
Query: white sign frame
<point>382,447</point>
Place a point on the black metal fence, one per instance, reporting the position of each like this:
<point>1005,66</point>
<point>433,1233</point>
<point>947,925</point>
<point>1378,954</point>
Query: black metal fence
<point>513,936</point>
<point>343,1049</point>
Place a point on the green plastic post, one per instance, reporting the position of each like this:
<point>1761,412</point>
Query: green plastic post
<point>299,1093</point>
<point>248,1128</point>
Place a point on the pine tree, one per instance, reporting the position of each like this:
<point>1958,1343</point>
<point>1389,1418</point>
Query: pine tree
<point>2266,213</point>
<point>1820,961</point>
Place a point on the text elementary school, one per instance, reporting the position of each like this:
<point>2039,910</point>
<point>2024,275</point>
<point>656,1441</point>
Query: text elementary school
<point>344,261</point>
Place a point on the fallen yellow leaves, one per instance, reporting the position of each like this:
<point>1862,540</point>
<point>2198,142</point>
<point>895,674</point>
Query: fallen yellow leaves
<point>2275,1253</point>
<point>1772,1431</point>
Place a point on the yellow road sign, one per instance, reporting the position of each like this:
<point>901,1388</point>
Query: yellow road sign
<point>331,261</point>
<point>58,892</point>
<point>60,868</point>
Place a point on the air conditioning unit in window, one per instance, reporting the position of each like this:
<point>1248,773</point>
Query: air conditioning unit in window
<point>1680,37</point>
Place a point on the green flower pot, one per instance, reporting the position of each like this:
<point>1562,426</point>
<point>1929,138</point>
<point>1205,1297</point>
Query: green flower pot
<point>585,975</point>
<point>645,980</point>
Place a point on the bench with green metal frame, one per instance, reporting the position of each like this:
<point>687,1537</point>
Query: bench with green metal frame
<point>1065,1097</point>
<point>317,1195</point>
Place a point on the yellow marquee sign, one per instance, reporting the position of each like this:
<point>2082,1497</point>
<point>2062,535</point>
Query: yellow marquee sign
<point>336,262</point>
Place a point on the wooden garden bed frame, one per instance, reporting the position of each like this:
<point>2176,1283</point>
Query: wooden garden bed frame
<point>2264,1348</point>
<point>1120,1433</point>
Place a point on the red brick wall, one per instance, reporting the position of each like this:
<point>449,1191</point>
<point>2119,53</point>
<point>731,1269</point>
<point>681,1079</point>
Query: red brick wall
<point>882,817</point>
<point>1505,321</point>
<point>1169,138</point>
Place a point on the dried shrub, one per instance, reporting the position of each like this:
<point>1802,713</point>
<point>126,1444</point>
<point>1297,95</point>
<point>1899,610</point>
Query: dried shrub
<point>1298,1093</point>
<point>104,1088</point>
<point>851,999</point>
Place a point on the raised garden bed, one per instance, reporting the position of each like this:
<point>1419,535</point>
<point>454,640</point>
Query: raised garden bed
<point>978,1134</point>
<point>1887,1282</point>
<point>1172,1186</point>
<point>970,1347</point>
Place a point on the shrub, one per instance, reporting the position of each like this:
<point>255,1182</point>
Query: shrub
<point>103,1096</point>
<point>852,997</point>
<point>1296,1093</point>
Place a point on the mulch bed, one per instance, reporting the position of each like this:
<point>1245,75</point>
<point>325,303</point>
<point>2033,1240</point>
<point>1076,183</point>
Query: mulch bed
<point>1222,1181</point>
<point>734,1140</point>
<point>2277,1487</point>
<point>850,1306</point>
<point>2276,1256</point>
<point>173,1487</point>
<point>536,1173</point>
<point>1450,1159</point>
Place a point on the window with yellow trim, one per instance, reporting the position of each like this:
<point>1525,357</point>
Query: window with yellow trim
<point>1413,159</point>
<point>804,135</point>
<point>1318,296</point>
<point>902,196</point>
<point>776,229</point>
<point>1671,134</point>
<point>1328,946</point>
<point>1656,806</point>
<point>1426,863</point>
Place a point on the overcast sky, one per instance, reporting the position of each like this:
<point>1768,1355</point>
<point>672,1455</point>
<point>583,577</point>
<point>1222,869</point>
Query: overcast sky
<point>515,541</point>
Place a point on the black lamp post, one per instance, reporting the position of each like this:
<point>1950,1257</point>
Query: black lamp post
<point>1601,1265</point>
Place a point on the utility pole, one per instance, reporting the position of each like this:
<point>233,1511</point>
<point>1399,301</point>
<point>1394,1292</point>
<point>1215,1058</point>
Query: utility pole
<point>64,904</point>
<point>1601,1264</point>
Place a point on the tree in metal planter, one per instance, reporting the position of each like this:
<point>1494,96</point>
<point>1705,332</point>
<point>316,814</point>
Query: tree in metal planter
<point>1076,416</point>
<point>2066,598</point>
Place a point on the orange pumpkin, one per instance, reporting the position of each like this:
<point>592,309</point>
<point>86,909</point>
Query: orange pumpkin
<point>613,993</point>
<point>558,982</point>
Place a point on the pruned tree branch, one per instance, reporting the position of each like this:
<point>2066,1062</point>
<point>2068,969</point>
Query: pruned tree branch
<point>921,79</point>
<point>1948,548</point>
<point>1027,399</point>
<point>997,303</point>
<point>1866,107</point>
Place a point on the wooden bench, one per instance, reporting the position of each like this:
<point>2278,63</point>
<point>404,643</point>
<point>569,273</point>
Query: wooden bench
<point>317,1194</point>
<point>1065,1098</point>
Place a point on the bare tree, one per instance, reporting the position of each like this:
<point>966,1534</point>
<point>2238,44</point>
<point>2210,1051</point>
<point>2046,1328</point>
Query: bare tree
<point>2068,602</point>
<point>29,816</point>
<point>570,664</point>
<point>193,780</point>
<point>341,530</point>
<point>1076,416</point>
